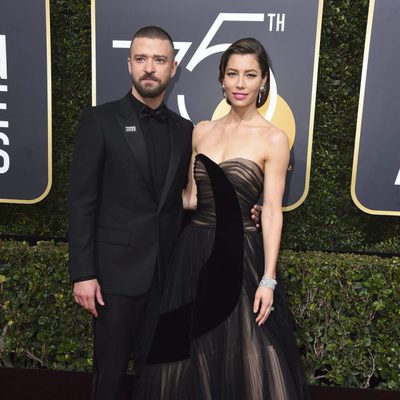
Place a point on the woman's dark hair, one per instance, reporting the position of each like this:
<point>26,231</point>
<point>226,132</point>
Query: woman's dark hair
<point>242,47</point>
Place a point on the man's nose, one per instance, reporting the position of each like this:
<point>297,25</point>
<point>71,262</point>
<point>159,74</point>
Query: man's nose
<point>149,67</point>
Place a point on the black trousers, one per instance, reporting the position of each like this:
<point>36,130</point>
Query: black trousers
<point>122,330</point>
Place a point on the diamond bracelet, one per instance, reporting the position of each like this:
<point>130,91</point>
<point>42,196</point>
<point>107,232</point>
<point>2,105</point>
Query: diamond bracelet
<point>268,282</point>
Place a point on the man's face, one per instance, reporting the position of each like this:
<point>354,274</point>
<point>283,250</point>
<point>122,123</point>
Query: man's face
<point>151,66</point>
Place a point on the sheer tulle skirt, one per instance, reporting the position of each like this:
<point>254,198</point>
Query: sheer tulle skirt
<point>238,360</point>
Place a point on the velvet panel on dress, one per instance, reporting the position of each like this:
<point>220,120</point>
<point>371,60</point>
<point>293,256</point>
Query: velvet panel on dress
<point>225,265</point>
<point>223,268</point>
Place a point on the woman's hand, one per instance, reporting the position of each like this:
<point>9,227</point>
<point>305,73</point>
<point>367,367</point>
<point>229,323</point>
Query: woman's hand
<point>256,214</point>
<point>263,301</point>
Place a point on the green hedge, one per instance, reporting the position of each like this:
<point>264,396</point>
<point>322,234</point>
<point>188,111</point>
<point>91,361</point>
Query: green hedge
<point>40,324</point>
<point>346,309</point>
<point>327,220</point>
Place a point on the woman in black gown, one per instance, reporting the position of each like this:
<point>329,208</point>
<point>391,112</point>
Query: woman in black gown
<point>225,332</point>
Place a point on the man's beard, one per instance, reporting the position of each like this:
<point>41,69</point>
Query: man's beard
<point>150,92</point>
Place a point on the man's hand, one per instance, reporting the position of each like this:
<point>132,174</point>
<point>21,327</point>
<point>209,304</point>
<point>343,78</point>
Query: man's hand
<point>255,214</point>
<point>85,294</point>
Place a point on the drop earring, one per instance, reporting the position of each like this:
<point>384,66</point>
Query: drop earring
<point>223,91</point>
<point>261,91</point>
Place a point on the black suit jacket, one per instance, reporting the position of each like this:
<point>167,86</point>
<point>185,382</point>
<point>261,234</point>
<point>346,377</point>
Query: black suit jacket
<point>118,231</point>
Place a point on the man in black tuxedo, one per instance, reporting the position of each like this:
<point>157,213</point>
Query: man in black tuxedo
<point>129,168</point>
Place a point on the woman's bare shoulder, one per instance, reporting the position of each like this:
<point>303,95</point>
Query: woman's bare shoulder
<point>204,126</point>
<point>201,130</point>
<point>273,136</point>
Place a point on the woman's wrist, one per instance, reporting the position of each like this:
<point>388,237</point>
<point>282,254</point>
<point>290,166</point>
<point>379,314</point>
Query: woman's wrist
<point>270,272</point>
<point>267,281</point>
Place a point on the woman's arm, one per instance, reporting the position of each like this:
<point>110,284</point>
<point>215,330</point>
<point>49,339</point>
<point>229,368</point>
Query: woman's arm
<point>189,194</point>
<point>274,185</point>
<point>275,168</point>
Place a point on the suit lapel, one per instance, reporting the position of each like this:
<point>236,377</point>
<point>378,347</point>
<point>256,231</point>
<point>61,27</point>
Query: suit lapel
<point>130,126</point>
<point>176,153</point>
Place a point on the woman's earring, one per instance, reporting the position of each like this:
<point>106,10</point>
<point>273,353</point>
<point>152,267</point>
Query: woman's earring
<point>261,91</point>
<point>223,91</point>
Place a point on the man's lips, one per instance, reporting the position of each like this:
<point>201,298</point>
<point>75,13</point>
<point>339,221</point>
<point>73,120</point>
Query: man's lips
<point>149,79</point>
<point>239,95</point>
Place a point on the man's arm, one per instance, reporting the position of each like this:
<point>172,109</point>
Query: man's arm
<point>85,184</point>
<point>86,292</point>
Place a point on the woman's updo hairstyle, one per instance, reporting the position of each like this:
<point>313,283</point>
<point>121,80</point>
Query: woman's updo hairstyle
<point>242,47</point>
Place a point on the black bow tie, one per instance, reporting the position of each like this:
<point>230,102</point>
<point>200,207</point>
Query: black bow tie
<point>159,114</point>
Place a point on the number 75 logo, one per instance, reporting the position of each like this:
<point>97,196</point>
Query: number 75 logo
<point>276,110</point>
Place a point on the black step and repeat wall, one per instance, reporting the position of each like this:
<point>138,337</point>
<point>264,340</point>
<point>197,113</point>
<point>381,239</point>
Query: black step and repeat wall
<point>376,171</point>
<point>289,30</point>
<point>100,31</point>
<point>25,101</point>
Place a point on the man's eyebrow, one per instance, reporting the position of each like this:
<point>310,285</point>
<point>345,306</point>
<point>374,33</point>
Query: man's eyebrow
<point>151,56</point>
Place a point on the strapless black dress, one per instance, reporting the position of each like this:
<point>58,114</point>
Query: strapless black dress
<point>207,345</point>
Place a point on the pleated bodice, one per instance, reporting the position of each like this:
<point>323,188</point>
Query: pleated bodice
<point>246,178</point>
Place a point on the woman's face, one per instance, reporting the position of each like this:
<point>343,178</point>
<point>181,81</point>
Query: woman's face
<point>242,80</point>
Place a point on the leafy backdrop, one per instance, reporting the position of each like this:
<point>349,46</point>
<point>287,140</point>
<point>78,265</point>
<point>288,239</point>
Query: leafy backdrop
<point>345,306</point>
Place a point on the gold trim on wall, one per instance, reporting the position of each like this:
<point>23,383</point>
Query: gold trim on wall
<point>360,116</point>
<point>93,36</point>
<point>312,110</point>
<point>49,119</point>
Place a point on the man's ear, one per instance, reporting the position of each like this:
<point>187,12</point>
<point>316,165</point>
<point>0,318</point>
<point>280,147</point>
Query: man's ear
<point>174,68</point>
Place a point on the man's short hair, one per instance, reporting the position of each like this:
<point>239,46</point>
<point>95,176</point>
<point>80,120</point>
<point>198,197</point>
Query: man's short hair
<point>153,32</point>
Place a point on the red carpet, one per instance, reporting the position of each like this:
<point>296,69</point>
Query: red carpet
<point>33,384</point>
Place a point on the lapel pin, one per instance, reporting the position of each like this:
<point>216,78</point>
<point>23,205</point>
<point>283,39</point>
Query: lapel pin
<point>130,129</point>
